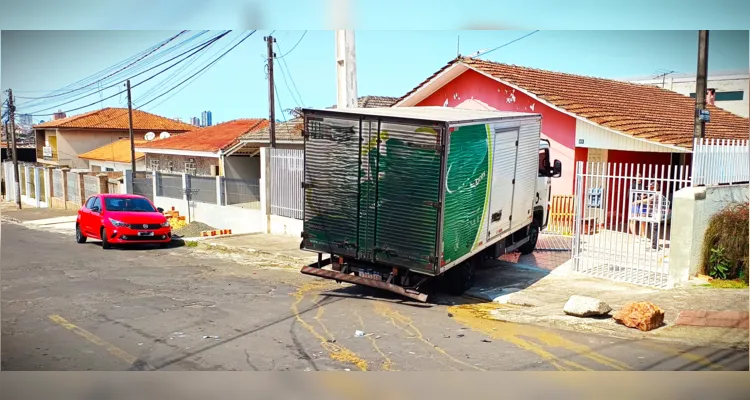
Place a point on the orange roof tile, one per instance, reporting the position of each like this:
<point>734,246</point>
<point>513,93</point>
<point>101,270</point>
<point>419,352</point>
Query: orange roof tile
<point>210,139</point>
<point>117,119</point>
<point>642,111</point>
<point>118,151</point>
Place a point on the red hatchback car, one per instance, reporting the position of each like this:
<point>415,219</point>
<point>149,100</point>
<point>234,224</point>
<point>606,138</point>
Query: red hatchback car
<point>122,219</point>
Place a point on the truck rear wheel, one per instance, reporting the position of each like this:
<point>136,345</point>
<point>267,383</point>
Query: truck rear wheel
<point>529,246</point>
<point>460,278</point>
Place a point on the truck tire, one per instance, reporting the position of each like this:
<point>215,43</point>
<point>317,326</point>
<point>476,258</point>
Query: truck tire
<point>460,278</point>
<point>533,236</point>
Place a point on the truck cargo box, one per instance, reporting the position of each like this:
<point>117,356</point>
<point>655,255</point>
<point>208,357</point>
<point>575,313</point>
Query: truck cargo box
<point>420,188</point>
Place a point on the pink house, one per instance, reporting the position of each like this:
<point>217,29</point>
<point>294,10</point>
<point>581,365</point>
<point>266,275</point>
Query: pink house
<point>585,118</point>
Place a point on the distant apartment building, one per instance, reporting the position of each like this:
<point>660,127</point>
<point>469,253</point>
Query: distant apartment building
<point>730,89</point>
<point>206,118</point>
<point>195,121</point>
<point>25,119</point>
<point>59,115</point>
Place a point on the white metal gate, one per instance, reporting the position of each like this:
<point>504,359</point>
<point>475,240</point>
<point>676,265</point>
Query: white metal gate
<point>623,219</point>
<point>287,174</point>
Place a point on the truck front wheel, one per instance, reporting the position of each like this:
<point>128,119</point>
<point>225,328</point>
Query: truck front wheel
<point>529,246</point>
<point>460,278</point>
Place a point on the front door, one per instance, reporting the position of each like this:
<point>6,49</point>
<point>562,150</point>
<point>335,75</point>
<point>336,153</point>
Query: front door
<point>504,151</point>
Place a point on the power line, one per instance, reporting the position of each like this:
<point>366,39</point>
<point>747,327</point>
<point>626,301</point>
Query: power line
<point>506,44</point>
<point>174,75</point>
<point>201,47</point>
<point>96,74</point>
<point>278,100</point>
<point>286,70</point>
<point>113,73</point>
<point>293,47</point>
<point>200,70</point>
<point>138,69</point>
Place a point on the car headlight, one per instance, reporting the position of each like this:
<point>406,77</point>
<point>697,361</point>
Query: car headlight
<point>165,224</point>
<point>117,223</point>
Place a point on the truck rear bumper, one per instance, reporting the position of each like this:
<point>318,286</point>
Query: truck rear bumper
<point>314,270</point>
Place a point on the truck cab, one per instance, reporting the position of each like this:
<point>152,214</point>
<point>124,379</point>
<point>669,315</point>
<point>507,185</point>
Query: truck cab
<point>547,171</point>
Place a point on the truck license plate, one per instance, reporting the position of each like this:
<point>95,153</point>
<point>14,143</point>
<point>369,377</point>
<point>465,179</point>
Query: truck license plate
<point>145,233</point>
<point>371,275</point>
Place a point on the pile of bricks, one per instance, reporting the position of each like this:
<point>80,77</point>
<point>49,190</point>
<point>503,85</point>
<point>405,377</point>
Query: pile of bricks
<point>216,232</point>
<point>174,214</point>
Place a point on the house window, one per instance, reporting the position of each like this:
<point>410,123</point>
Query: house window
<point>190,168</point>
<point>110,169</point>
<point>727,96</point>
<point>169,166</point>
<point>154,165</point>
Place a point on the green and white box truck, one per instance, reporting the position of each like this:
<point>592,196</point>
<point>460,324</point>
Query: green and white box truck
<point>396,197</point>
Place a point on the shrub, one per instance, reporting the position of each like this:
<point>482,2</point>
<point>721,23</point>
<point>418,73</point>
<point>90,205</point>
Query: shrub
<point>725,245</point>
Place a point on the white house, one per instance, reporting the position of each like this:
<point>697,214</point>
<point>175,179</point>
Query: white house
<point>113,157</point>
<point>732,88</point>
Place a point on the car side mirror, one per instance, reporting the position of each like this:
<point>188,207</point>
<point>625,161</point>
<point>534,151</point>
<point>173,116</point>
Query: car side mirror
<point>159,209</point>
<point>557,169</point>
<point>95,209</point>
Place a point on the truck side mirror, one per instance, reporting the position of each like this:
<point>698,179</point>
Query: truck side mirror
<point>557,169</point>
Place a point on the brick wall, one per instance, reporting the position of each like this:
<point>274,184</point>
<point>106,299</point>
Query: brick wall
<point>203,165</point>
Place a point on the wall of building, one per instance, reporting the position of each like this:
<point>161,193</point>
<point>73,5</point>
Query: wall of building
<point>475,91</point>
<point>242,167</point>
<point>239,220</point>
<point>693,208</point>
<point>729,83</point>
<point>70,143</point>
<point>203,165</point>
<point>117,166</point>
<point>285,226</point>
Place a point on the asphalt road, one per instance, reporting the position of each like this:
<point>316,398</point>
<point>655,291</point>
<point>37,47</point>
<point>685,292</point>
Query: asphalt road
<point>77,307</point>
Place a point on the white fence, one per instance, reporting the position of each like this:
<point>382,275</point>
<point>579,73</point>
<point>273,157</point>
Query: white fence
<point>717,162</point>
<point>287,174</point>
<point>622,227</point>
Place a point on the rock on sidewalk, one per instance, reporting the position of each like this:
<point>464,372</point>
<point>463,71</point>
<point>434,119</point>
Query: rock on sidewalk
<point>582,306</point>
<point>642,315</point>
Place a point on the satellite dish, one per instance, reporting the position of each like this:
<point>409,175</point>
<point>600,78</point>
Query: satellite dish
<point>163,135</point>
<point>150,136</point>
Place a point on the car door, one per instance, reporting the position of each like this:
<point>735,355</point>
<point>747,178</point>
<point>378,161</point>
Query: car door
<point>85,216</point>
<point>95,216</point>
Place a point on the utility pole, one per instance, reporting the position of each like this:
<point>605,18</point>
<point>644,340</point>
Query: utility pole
<point>7,142</point>
<point>701,85</point>
<point>130,129</point>
<point>271,88</point>
<point>12,117</point>
<point>346,70</point>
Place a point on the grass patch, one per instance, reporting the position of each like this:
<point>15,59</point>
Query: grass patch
<point>727,284</point>
<point>191,244</point>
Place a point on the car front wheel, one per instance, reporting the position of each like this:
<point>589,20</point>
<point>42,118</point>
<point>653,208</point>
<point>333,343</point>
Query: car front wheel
<point>105,243</point>
<point>80,237</point>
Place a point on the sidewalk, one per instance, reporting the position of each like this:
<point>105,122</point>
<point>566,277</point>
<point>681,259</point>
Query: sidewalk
<point>522,294</point>
<point>283,247</point>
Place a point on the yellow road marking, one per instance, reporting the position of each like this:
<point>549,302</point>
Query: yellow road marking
<point>387,364</point>
<point>696,358</point>
<point>476,317</point>
<point>335,351</point>
<point>393,315</point>
<point>112,349</point>
<point>319,314</point>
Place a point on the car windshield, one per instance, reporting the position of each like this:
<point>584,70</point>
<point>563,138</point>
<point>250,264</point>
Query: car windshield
<point>128,204</point>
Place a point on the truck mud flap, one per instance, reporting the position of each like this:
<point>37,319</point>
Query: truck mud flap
<point>358,280</point>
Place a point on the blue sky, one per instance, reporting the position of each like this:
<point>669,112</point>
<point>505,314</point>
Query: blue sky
<point>389,63</point>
